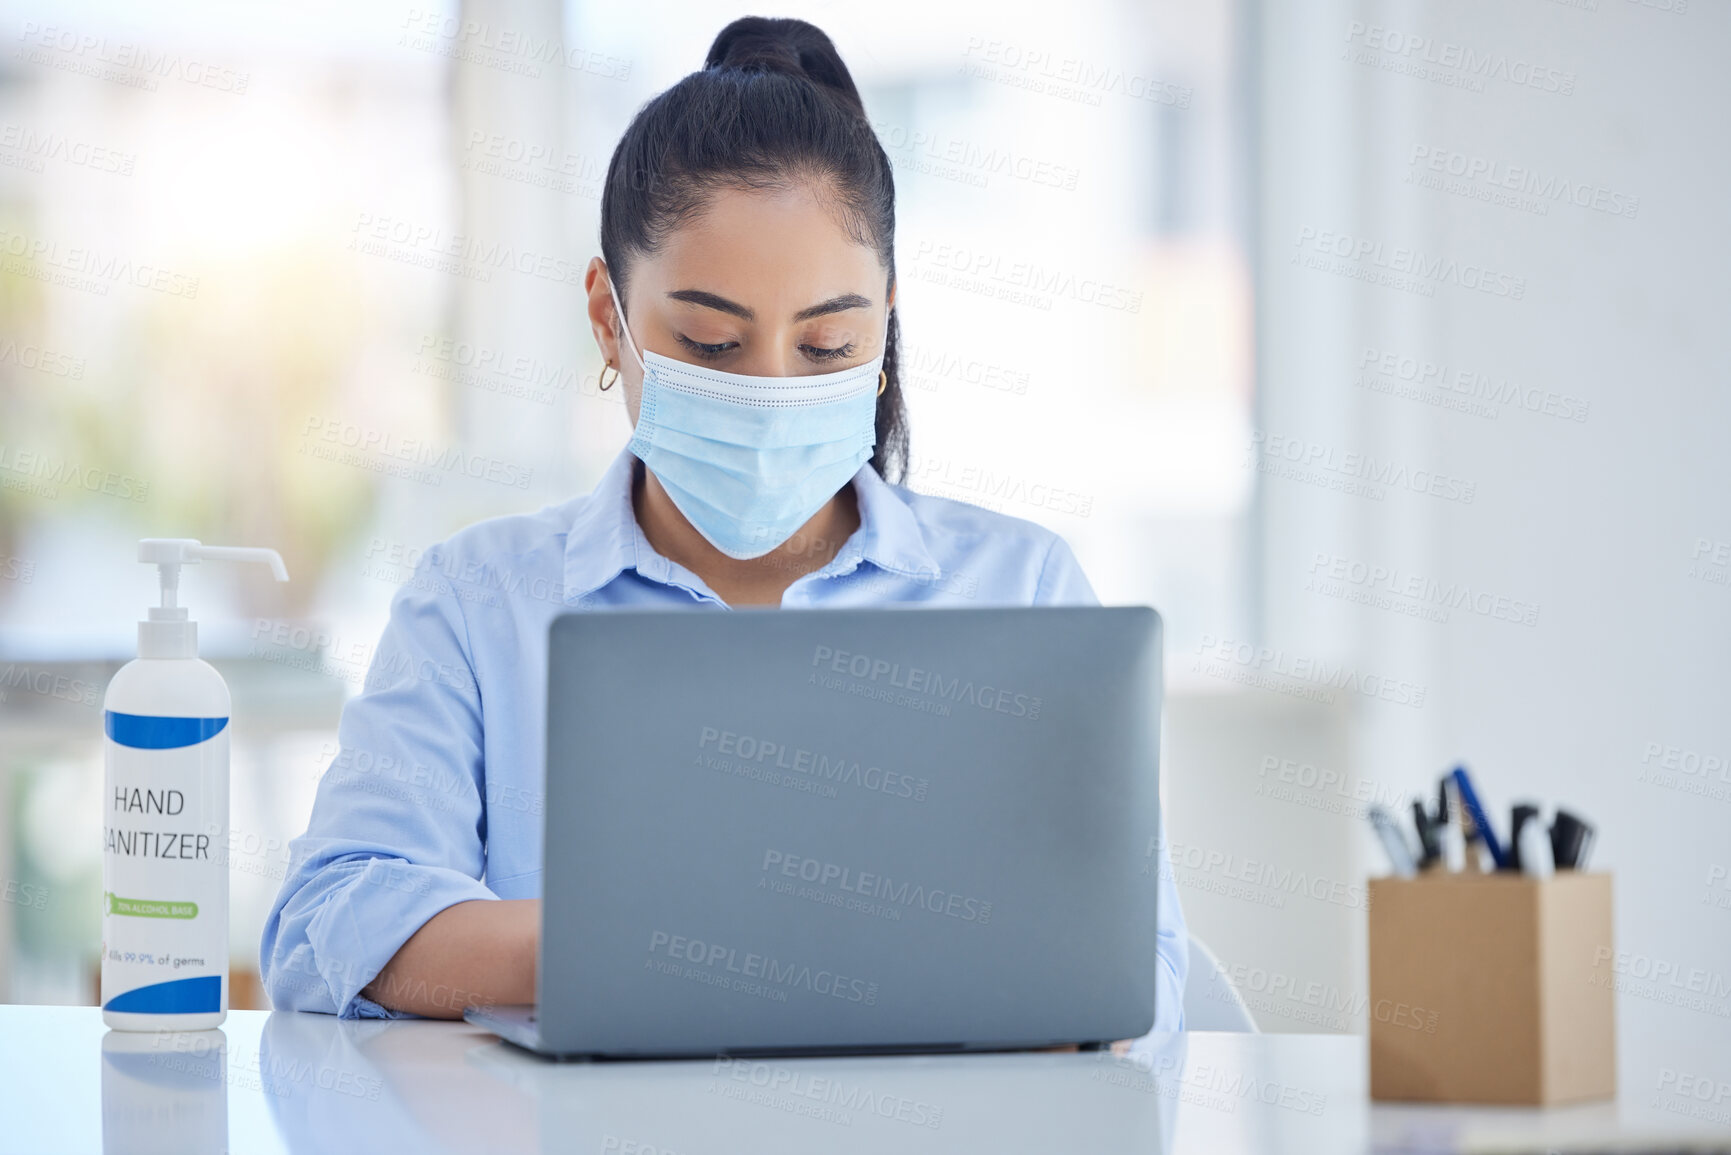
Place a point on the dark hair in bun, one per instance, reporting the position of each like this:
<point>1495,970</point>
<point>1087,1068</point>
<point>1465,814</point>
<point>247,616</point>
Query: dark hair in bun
<point>773,104</point>
<point>792,47</point>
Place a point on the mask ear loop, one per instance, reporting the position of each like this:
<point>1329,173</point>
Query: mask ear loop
<point>883,374</point>
<point>623,328</point>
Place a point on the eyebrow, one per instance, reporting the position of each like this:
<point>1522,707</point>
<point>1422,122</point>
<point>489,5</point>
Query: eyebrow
<point>823,308</point>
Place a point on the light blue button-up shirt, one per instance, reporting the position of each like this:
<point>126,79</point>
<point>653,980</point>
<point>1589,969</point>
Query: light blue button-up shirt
<point>435,794</point>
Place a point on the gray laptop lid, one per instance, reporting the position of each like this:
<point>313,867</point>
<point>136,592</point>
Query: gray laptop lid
<point>849,828</point>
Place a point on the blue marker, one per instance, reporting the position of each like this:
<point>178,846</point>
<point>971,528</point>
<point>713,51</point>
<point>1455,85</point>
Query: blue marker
<point>1470,799</point>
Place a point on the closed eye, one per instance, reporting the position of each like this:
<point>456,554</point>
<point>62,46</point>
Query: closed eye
<point>707,351</point>
<point>828,354</point>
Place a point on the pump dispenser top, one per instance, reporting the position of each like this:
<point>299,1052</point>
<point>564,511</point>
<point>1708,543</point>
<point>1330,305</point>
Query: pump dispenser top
<point>168,633</point>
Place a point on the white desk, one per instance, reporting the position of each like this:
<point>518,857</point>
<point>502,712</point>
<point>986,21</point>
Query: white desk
<point>308,1083</point>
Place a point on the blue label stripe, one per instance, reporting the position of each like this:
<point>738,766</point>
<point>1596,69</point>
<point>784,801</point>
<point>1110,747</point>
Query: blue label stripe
<point>154,732</point>
<point>178,997</point>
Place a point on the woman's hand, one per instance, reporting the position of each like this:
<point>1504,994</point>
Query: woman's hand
<point>472,954</point>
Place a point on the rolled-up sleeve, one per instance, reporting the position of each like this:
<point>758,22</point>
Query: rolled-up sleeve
<point>1062,582</point>
<point>398,826</point>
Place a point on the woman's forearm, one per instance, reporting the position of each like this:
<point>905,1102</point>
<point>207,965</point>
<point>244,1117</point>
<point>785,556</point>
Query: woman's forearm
<point>471,954</point>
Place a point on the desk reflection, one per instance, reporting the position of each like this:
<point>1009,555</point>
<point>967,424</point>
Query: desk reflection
<point>371,1085</point>
<point>164,1093</point>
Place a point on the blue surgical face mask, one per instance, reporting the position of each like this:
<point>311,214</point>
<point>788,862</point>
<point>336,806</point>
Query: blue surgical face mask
<point>748,460</point>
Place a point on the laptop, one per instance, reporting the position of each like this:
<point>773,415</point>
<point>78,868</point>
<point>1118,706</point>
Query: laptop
<point>846,831</point>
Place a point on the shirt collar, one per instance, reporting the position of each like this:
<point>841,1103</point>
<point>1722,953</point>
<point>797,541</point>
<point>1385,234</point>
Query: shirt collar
<point>604,539</point>
<point>889,535</point>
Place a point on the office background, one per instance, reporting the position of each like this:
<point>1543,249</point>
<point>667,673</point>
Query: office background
<point>1374,344</point>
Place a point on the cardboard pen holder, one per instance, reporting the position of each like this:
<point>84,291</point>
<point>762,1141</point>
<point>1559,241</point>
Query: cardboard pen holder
<point>1492,988</point>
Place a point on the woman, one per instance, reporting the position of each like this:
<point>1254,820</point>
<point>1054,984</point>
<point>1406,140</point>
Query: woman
<point>744,300</point>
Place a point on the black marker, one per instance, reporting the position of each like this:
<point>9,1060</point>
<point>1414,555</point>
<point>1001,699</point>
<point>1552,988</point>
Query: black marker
<point>1430,849</point>
<point>1571,841</point>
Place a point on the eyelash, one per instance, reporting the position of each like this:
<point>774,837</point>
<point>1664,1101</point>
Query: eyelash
<point>710,352</point>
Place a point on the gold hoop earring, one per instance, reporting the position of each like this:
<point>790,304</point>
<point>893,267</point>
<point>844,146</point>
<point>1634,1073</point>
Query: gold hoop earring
<point>605,383</point>
<point>883,381</point>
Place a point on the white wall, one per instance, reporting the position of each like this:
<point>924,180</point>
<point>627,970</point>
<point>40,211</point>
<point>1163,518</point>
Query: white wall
<point>1596,522</point>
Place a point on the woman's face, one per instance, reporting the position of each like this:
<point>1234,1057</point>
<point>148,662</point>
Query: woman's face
<point>765,282</point>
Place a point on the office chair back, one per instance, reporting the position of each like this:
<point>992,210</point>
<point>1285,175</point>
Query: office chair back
<point>1211,1002</point>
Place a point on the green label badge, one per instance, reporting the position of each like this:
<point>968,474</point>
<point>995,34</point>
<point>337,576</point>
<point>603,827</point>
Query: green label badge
<point>149,908</point>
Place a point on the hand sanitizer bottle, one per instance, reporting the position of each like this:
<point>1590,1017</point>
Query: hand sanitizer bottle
<point>165,815</point>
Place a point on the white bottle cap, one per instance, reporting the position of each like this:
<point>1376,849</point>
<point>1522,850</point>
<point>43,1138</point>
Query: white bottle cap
<point>168,633</point>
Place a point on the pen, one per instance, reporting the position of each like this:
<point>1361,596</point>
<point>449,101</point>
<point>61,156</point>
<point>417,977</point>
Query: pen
<point>1393,841</point>
<point>1481,821</point>
<point>1472,845</point>
<point>1430,850</point>
<point>1454,841</point>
